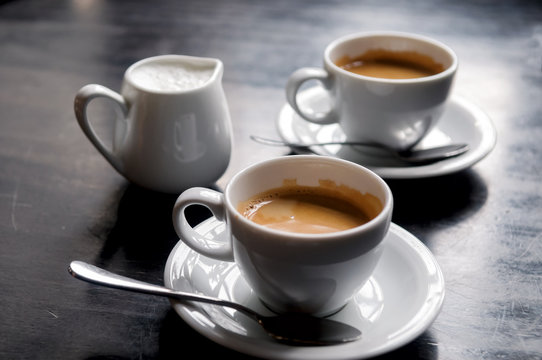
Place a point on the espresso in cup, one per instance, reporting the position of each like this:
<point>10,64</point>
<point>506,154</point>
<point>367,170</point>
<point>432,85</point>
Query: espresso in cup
<point>388,64</point>
<point>311,209</point>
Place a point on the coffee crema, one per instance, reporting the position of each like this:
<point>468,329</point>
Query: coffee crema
<point>171,76</point>
<point>311,209</point>
<point>389,64</point>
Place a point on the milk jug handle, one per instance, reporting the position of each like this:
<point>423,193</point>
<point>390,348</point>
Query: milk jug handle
<point>83,97</point>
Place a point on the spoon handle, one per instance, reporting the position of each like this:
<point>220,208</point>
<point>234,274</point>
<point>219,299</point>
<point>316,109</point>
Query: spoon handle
<point>422,156</point>
<point>274,142</point>
<point>95,275</point>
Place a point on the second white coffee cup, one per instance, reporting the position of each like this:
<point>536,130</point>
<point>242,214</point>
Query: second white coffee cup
<point>394,112</point>
<point>290,271</point>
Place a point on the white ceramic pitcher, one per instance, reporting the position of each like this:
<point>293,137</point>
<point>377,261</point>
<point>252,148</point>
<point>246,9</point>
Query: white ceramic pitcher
<point>175,132</point>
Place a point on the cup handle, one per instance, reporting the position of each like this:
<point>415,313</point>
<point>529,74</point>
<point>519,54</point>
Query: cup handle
<point>213,200</point>
<point>295,81</point>
<point>83,97</point>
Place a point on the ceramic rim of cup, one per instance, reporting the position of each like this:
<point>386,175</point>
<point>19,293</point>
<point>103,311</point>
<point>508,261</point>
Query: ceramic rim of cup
<point>450,69</point>
<point>387,201</point>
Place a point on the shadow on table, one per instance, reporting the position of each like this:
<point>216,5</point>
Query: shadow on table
<point>143,232</point>
<point>449,198</point>
<point>424,347</point>
<point>178,339</point>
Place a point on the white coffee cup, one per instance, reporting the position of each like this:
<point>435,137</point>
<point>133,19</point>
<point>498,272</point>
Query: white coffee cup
<point>396,113</point>
<point>311,273</point>
<point>175,130</point>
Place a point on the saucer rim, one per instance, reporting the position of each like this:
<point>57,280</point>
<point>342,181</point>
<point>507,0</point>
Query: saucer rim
<point>480,121</point>
<point>274,350</point>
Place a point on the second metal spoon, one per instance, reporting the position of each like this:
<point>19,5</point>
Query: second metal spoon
<point>422,156</point>
<point>288,328</point>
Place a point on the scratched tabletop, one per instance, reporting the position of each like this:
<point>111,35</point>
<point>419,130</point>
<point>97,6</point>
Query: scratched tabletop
<point>60,200</point>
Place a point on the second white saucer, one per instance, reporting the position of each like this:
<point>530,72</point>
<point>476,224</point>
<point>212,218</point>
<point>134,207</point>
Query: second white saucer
<point>398,303</point>
<point>462,122</point>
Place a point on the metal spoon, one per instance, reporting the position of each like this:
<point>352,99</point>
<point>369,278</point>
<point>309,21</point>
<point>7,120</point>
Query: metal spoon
<point>422,156</point>
<point>288,328</point>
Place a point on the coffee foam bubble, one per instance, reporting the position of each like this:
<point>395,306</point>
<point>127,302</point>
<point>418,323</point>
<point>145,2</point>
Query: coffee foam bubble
<point>171,76</point>
<point>263,198</point>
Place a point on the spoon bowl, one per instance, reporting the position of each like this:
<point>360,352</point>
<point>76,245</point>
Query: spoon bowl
<point>422,156</point>
<point>293,328</point>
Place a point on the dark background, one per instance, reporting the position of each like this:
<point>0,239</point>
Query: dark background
<point>60,200</point>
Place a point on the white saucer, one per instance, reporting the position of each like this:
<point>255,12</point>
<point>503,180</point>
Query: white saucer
<point>462,121</point>
<point>398,303</point>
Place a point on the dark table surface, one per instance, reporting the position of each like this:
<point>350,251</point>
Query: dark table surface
<point>60,200</point>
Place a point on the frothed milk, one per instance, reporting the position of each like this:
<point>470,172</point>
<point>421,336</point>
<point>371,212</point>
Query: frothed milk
<point>169,76</point>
